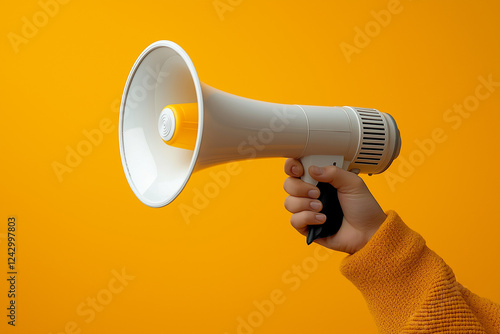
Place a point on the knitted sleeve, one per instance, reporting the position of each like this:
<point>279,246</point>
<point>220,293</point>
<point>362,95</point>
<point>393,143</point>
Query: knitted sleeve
<point>410,289</point>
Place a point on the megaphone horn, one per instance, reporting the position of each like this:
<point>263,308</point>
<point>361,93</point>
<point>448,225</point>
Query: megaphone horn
<point>171,124</point>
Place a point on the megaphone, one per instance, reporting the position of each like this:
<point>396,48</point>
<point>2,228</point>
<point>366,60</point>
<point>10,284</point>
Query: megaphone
<point>171,125</point>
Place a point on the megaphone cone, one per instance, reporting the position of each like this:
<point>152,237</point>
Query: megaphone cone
<point>171,124</point>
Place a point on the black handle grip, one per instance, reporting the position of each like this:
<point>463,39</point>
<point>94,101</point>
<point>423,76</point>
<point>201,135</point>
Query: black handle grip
<point>332,210</point>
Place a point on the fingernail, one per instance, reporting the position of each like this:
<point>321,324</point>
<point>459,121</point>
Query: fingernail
<point>313,193</point>
<point>295,170</point>
<point>320,217</point>
<point>315,205</point>
<point>317,170</point>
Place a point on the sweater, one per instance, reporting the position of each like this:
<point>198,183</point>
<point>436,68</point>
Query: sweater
<point>410,289</point>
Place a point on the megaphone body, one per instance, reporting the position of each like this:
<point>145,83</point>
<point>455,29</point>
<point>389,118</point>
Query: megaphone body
<point>224,127</point>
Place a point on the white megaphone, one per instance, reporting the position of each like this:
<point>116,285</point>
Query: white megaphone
<point>171,124</point>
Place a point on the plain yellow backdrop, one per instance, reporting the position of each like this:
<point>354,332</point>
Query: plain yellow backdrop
<point>63,68</point>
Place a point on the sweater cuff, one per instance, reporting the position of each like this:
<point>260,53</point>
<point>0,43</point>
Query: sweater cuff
<point>393,271</point>
<point>382,254</point>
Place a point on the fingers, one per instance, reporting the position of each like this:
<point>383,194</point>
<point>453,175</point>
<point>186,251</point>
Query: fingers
<point>302,219</point>
<point>343,180</point>
<point>298,204</point>
<point>297,187</point>
<point>293,167</point>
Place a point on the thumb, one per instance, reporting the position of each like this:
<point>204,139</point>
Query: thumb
<point>344,181</point>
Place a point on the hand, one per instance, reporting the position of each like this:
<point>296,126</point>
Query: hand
<point>362,214</point>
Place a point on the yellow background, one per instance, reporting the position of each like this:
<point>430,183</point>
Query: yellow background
<point>203,276</point>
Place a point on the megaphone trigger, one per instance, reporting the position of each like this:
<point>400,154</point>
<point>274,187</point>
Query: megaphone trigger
<point>328,197</point>
<point>332,210</point>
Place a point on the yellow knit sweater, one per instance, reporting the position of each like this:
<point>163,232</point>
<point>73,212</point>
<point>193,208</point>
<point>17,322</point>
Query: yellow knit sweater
<point>410,289</point>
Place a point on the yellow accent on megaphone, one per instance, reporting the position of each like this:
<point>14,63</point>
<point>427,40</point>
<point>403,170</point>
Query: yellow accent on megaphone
<point>186,125</point>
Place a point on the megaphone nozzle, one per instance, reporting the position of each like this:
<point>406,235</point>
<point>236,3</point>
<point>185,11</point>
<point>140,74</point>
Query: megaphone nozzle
<point>166,124</point>
<point>178,125</point>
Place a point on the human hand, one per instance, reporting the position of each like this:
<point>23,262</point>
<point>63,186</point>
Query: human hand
<point>362,214</point>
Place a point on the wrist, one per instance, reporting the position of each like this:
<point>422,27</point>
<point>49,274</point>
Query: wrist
<point>372,228</point>
<point>377,222</point>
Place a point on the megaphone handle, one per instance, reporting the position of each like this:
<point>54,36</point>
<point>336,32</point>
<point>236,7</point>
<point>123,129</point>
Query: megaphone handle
<point>328,197</point>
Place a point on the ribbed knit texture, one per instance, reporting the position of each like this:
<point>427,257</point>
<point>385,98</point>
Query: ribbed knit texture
<point>410,289</point>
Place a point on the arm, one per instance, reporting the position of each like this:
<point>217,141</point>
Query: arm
<point>408,288</point>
